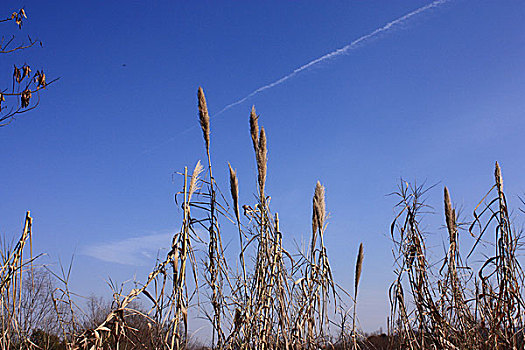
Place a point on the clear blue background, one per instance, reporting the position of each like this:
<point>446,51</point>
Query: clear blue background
<point>439,98</point>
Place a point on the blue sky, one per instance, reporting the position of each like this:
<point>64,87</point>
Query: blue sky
<point>437,98</point>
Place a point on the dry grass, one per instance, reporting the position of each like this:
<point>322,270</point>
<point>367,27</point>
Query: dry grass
<point>276,299</point>
<point>457,307</point>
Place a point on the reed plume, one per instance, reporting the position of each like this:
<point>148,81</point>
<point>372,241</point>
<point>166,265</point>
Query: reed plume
<point>497,175</point>
<point>194,179</point>
<point>254,130</point>
<point>262,154</point>
<point>204,118</point>
<point>358,269</point>
<point>234,188</point>
<point>450,216</point>
<point>319,208</point>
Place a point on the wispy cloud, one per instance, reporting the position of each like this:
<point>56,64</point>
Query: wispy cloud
<point>136,251</point>
<point>344,50</point>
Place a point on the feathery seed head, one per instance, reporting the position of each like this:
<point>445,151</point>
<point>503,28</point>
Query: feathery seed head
<point>499,178</point>
<point>254,129</point>
<point>262,154</point>
<point>358,268</point>
<point>450,216</point>
<point>204,117</point>
<point>194,179</point>
<point>319,208</point>
<point>234,188</point>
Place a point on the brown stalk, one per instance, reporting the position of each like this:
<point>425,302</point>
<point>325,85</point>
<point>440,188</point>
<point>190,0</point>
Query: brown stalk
<point>234,189</point>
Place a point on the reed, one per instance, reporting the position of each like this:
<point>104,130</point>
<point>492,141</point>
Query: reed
<point>282,299</point>
<point>457,307</point>
<point>254,129</point>
<point>204,118</point>
<point>358,269</point>
<point>262,160</point>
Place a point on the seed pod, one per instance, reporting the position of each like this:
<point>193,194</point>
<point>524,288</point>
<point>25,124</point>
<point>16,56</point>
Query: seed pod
<point>17,75</point>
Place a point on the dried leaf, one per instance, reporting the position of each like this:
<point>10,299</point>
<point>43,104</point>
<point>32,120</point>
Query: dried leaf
<point>25,97</point>
<point>26,70</point>
<point>17,75</point>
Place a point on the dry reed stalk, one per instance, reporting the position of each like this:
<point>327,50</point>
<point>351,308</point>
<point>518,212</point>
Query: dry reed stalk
<point>316,282</point>
<point>260,309</point>
<point>509,301</point>
<point>11,280</point>
<point>256,315</point>
<point>234,189</point>
<point>412,262</point>
<point>216,262</point>
<point>267,306</point>
<point>462,311</point>
<point>180,249</point>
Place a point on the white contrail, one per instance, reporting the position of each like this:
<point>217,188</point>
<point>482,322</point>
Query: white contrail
<point>328,56</point>
<point>336,53</point>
